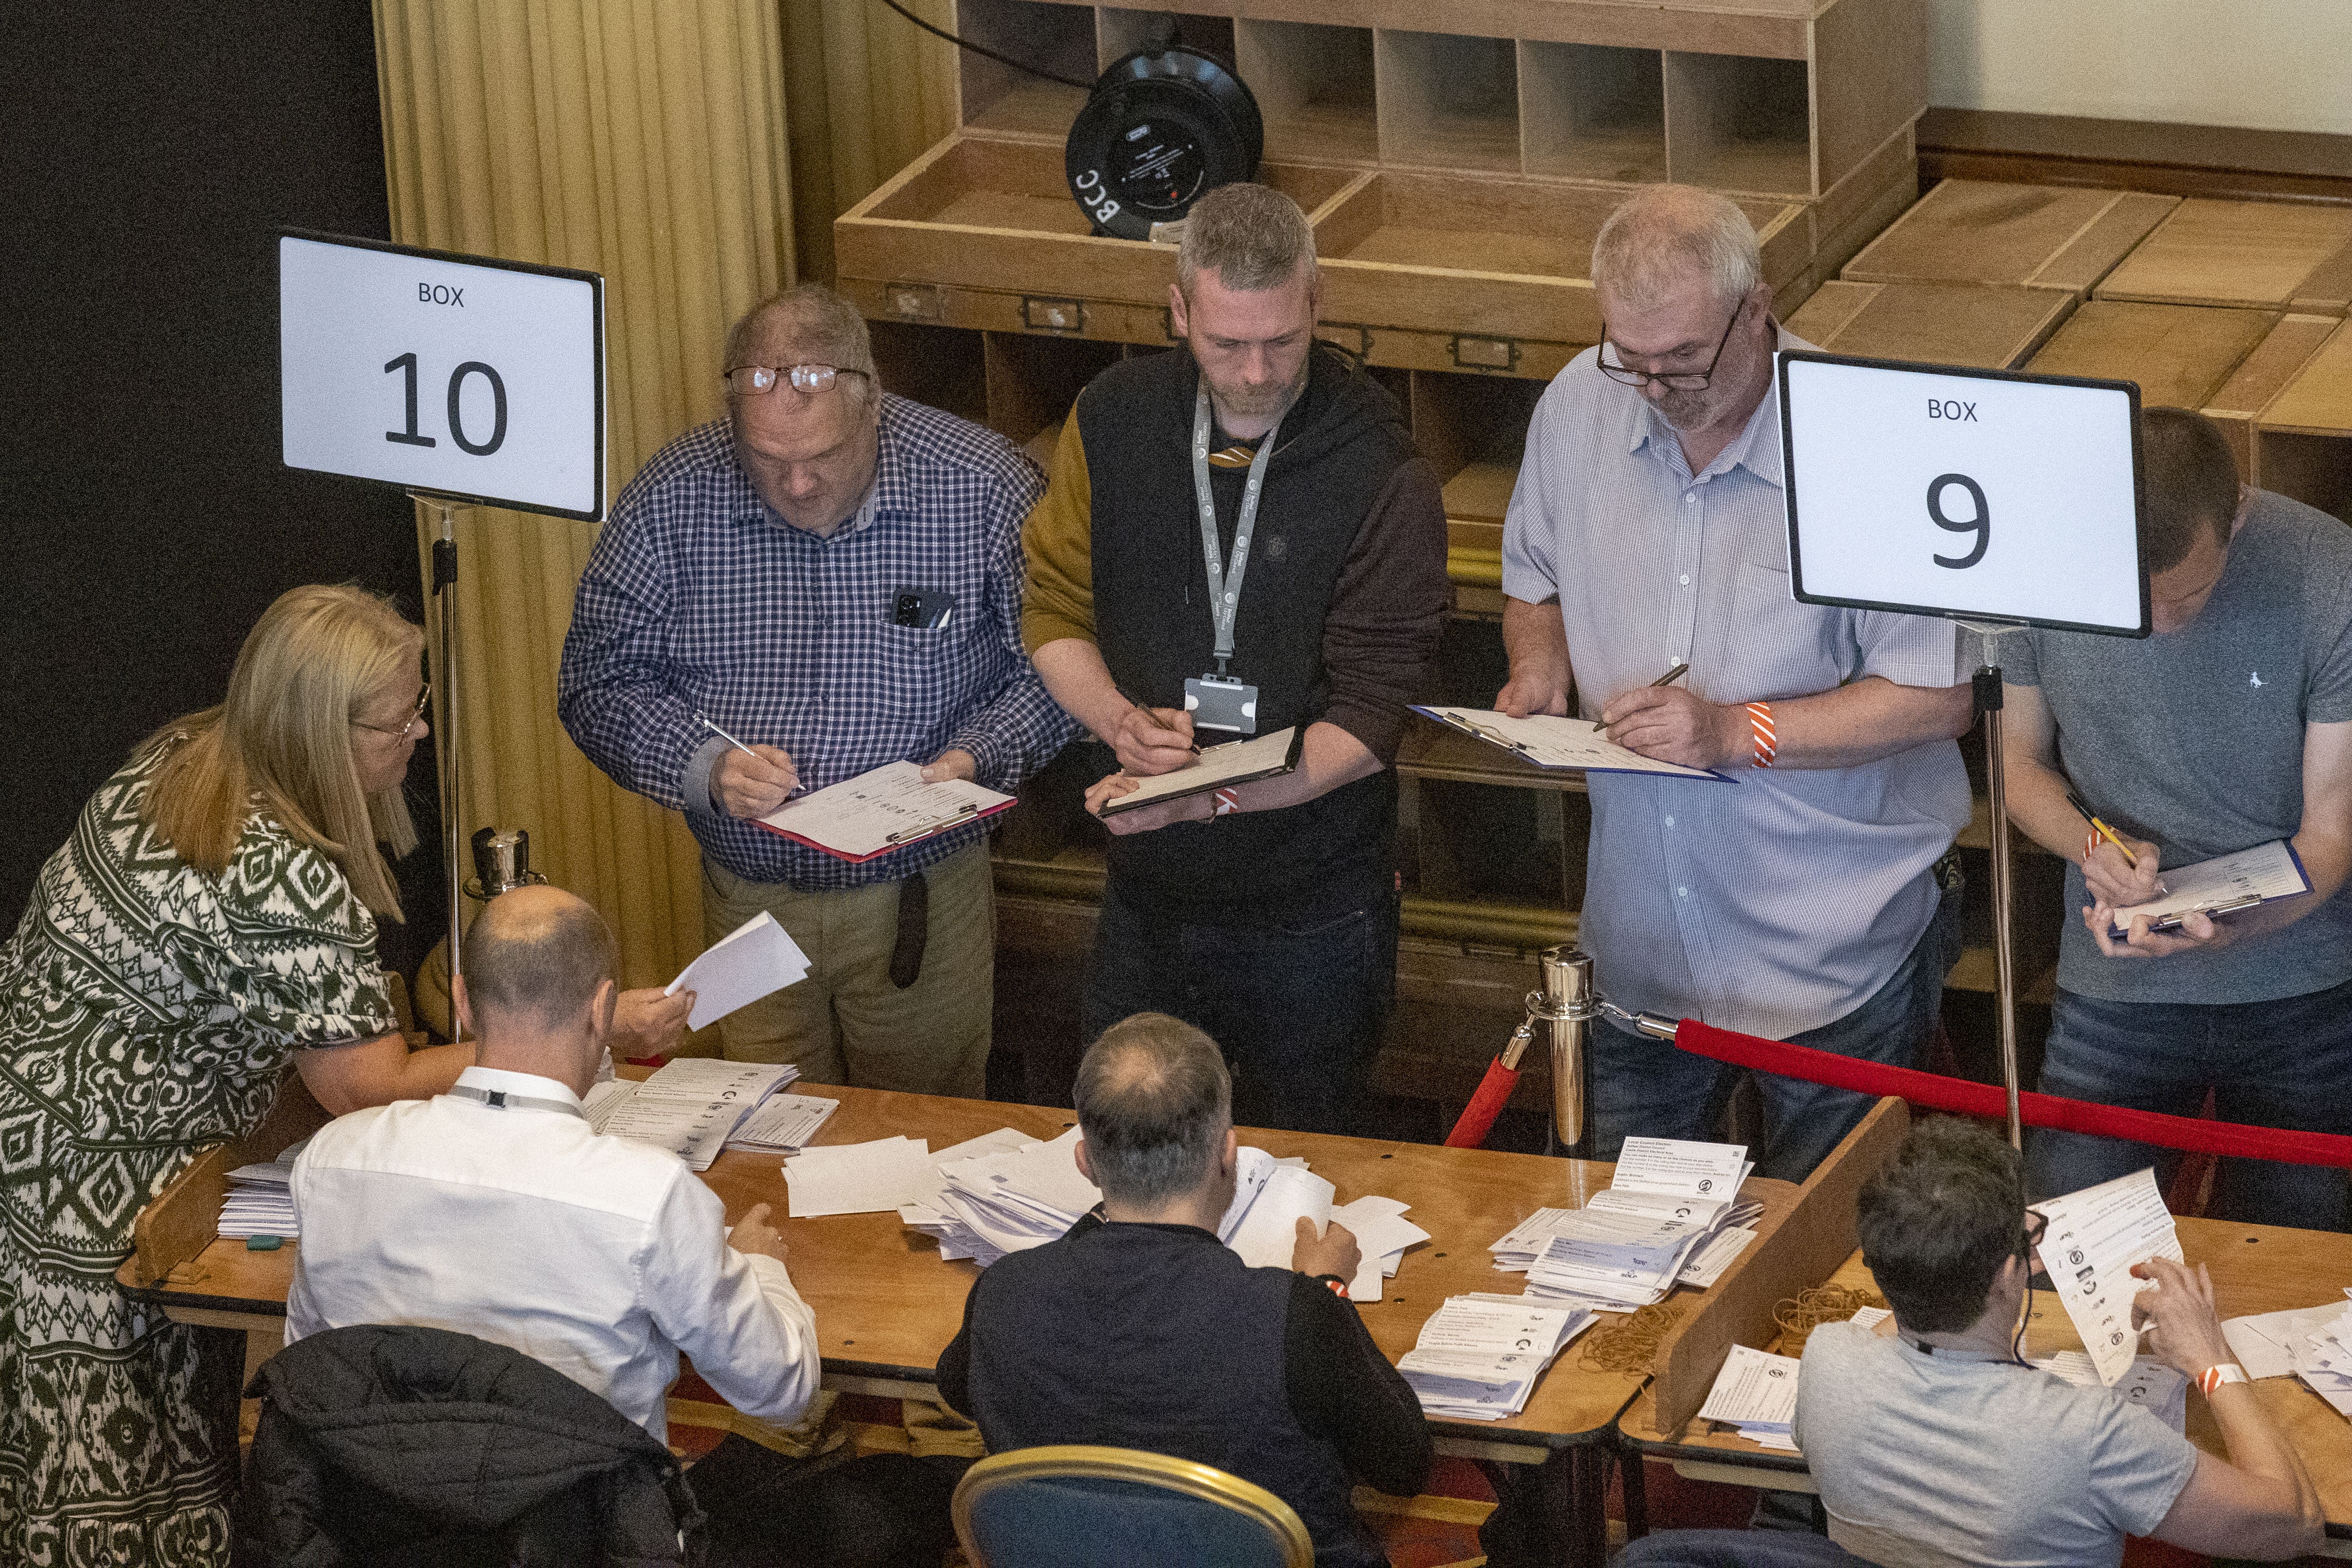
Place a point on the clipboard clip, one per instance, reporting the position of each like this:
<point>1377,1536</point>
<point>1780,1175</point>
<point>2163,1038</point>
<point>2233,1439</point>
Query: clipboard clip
<point>908,835</point>
<point>2173,921</point>
<point>1480,732</point>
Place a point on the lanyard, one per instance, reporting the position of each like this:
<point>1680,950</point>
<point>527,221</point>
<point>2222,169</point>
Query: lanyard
<point>500,1100</point>
<point>1225,580</point>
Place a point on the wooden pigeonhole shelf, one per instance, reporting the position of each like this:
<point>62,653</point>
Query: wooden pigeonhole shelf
<point>2264,256</point>
<point>1987,326</point>
<point>2304,434</point>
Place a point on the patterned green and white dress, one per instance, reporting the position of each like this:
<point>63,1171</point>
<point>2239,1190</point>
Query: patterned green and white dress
<point>146,1011</point>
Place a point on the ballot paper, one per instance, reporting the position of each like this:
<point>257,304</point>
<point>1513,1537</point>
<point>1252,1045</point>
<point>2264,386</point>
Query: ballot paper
<point>861,818</point>
<point>1756,1392</point>
<point>2094,1238</point>
<point>690,1106</point>
<point>1384,1234</point>
<point>1681,1169</point>
<point>2240,881</point>
<point>1668,1216</point>
<point>1870,1317</point>
<point>2323,1359</point>
<point>1235,762</point>
<point>2264,1343</point>
<point>260,1200</point>
<point>2159,1389</point>
<point>784,1123</point>
<point>754,959</point>
<point>1478,1356</point>
<point>860,1178</point>
<point>1550,741</point>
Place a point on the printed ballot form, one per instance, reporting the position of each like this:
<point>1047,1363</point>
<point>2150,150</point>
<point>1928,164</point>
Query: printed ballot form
<point>2093,1239</point>
<point>1549,740</point>
<point>1756,1392</point>
<point>1670,1216</point>
<point>1478,1356</point>
<point>888,809</point>
<point>2225,883</point>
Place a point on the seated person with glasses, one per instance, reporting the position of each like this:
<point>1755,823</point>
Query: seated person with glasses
<point>1817,902</point>
<point>1933,1443</point>
<point>825,581</point>
<point>1139,1330</point>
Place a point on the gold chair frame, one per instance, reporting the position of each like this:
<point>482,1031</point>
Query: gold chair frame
<point>1082,1462</point>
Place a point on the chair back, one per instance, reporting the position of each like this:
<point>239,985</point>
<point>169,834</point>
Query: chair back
<point>1077,1506</point>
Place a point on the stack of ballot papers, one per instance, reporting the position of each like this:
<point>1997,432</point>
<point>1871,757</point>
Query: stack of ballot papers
<point>1671,1215</point>
<point>2314,1343</point>
<point>1008,1199</point>
<point>2093,1239</point>
<point>2160,1389</point>
<point>1479,1355</point>
<point>781,1124</point>
<point>260,1200</point>
<point>755,959</point>
<point>860,1178</point>
<point>1756,1392</point>
<point>689,1106</point>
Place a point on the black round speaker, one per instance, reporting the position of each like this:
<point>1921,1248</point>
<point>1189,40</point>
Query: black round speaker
<point>1165,126</point>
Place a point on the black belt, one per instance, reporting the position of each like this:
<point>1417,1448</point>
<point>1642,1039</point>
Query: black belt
<point>914,931</point>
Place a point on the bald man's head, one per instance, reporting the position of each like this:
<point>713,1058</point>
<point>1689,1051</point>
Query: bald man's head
<point>1154,1102</point>
<point>534,959</point>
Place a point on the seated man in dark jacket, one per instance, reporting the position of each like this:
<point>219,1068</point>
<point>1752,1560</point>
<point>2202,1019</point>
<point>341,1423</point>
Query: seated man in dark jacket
<point>1140,1330</point>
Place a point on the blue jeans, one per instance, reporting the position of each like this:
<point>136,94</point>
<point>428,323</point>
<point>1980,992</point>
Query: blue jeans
<point>1737,1548</point>
<point>1645,1088</point>
<point>2286,1063</point>
<point>1298,1010</point>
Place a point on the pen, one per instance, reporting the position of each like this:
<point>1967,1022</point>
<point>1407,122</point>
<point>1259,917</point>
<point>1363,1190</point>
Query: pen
<point>723,735</point>
<point>2105,831</point>
<point>1671,677</point>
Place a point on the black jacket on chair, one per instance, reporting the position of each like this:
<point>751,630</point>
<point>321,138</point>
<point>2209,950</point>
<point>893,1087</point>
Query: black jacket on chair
<point>392,1446</point>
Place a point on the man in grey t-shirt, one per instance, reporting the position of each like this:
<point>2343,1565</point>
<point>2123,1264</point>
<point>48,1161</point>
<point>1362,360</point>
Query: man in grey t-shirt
<point>2230,728</point>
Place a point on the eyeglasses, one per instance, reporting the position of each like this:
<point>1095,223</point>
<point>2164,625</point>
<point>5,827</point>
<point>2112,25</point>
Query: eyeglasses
<point>1674,381</point>
<point>748,381</point>
<point>2036,1224</point>
<point>424,700</point>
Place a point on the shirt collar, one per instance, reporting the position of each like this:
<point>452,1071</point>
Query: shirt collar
<point>526,1083</point>
<point>894,490</point>
<point>1756,448</point>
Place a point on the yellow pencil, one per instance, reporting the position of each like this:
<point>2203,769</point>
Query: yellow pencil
<point>2105,831</point>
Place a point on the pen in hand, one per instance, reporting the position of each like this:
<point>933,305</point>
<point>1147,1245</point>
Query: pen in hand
<point>2108,833</point>
<point>1682,668</point>
<point>723,735</point>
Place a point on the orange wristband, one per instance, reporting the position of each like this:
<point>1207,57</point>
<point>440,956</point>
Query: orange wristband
<point>2212,1377</point>
<point>1760,730</point>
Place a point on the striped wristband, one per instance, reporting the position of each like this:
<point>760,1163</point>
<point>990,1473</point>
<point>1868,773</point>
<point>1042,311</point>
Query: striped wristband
<point>2212,1377</point>
<point>1762,734</point>
<point>1227,802</point>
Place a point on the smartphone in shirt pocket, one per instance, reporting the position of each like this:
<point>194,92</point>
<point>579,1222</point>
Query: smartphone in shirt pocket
<point>922,609</point>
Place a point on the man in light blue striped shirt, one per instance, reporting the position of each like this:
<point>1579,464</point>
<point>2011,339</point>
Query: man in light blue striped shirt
<point>1805,901</point>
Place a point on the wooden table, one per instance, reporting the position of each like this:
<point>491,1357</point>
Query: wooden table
<point>2255,1268</point>
<point>886,1305</point>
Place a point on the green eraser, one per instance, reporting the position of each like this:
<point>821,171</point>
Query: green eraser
<point>264,1243</point>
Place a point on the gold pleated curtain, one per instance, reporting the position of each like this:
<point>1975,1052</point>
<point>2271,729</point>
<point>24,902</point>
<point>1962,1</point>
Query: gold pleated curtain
<point>651,141</point>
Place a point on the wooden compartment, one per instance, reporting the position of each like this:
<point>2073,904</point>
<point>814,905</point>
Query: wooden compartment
<point>1483,256</point>
<point>2253,254</point>
<point>2259,379</point>
<point>1314,88</point>
<point>937,365</point>
<point>1032,380</point>
<point>1736,123</point>
<point>1992,328</point>
<point>1473,431</point>
<point>2179,354</point>
<point>1592,112</point>
<point>1058,39</point>
<point>1119,32</point>
<point>2304,436</point>
<point>1447,99</point>
<point>1976,231</point>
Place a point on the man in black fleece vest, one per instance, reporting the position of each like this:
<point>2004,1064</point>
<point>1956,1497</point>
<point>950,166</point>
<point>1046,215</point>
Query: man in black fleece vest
<point>1140,1330</point>
<point>1274,931</point>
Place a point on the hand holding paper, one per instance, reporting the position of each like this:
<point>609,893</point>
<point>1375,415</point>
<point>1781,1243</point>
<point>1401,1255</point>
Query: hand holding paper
<point>754,959</point>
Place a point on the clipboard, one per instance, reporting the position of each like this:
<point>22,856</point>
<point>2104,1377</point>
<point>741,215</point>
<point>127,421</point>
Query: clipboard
<point>1572,749</point>
<point>877,813</point>
<point>1219,767</point>
<point>2223,885</point>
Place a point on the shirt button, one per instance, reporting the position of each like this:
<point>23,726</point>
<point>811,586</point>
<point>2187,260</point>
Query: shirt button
<point>1691,500</point>
<point>1684,579</point>
<point>1681,893</point>
<point>1670,821</point>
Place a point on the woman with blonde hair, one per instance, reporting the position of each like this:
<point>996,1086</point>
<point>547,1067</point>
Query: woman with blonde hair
<point>211,919</point>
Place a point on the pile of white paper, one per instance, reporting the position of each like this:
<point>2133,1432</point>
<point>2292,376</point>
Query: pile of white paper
<point>783,1124</point>
<point>1008,1199</point>
<point>689,1106</point>
<point>755,959</point>
<point>860,1178</point>
<point>1671,1215</point>
<point>2159,1388</point>
<point>1756,1392</point>
<point>1478,1356</point>
<point>260,1199</point>
<point>2094,1238</point>
<point>2314,1343</point>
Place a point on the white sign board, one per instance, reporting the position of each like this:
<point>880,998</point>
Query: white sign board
<point>1970,494</point>
<point>461,376</point>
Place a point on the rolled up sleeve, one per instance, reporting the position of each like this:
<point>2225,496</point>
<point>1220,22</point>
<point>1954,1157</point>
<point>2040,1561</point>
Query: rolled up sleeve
<point>1059,539</point>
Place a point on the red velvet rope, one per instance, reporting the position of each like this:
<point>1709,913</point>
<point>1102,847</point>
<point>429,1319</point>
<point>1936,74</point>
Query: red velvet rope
<point>1989,1101</point>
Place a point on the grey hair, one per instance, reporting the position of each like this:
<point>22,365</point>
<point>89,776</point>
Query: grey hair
<point>536,957</point>
<point>1154,1102</point>
<point>1662,236</point>
<point>1251,237</point>
<point>820,325</point>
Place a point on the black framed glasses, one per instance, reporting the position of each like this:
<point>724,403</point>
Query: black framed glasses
<point>750,380</point>
<point>1674,381</point>
<point>2037,1225</point>
<point>423,701</point>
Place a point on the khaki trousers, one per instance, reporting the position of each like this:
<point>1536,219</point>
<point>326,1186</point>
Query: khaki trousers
<point>847,1023</point>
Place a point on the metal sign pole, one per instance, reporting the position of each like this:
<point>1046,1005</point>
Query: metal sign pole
<point>1986,687</point>
<point>453,828</point>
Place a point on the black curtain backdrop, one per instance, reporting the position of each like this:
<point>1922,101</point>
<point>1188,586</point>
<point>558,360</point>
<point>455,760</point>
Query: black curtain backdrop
<point>152,150</point>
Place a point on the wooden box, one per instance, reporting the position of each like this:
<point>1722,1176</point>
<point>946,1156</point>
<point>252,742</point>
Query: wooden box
<point>2236,405</point>
<point>2179,354</point>
<point>1974,231</point>
<point>2304,437</point>
<point>1982,325</point>
<point>2260,255</point>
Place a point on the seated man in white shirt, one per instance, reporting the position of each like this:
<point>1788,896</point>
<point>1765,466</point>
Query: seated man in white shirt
<point>494,1211</point>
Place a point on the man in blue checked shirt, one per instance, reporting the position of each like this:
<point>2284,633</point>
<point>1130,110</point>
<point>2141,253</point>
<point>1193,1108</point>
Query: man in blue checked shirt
<point>833,575</point>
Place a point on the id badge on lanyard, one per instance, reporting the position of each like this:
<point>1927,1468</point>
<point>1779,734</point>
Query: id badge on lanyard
<point>1220,699</point>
